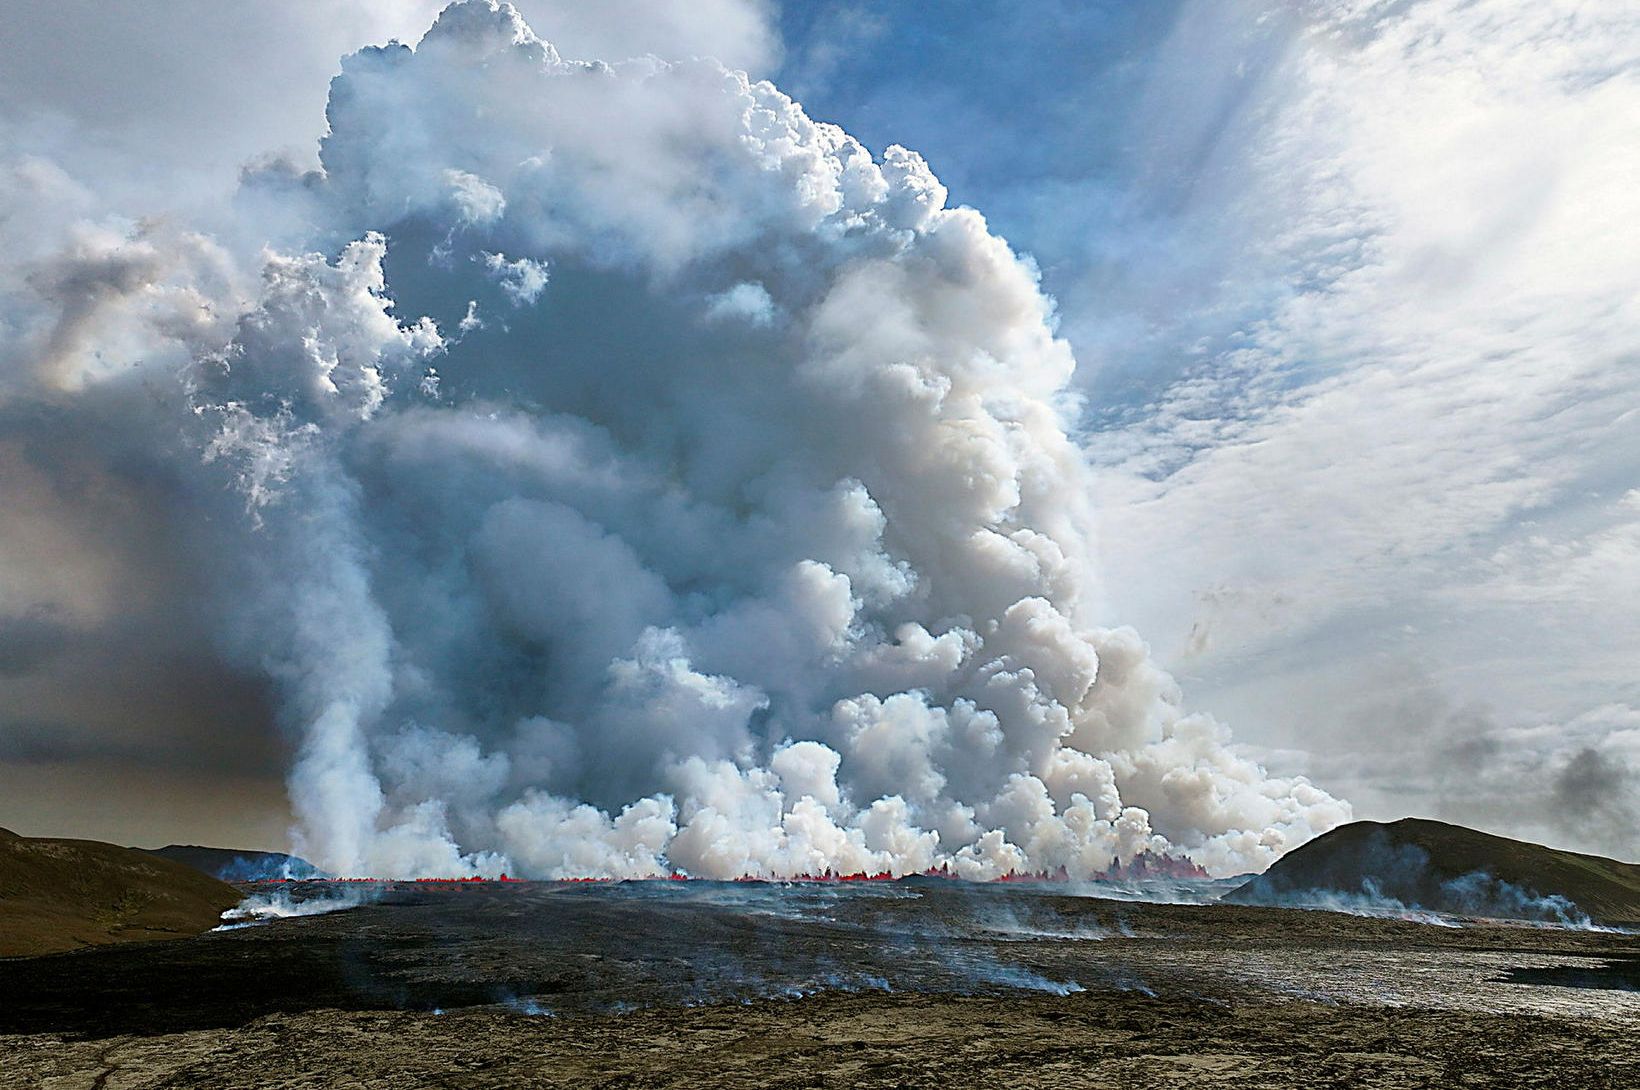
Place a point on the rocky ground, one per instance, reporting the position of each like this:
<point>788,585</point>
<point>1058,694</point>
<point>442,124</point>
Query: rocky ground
<point>938,985</point>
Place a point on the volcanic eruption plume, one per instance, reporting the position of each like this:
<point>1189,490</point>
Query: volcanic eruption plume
<point>619,473</point>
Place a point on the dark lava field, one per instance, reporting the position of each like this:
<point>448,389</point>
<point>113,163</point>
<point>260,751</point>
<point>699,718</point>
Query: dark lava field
<point>926,983</point>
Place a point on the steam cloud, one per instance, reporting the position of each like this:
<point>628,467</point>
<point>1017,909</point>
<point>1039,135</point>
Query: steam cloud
<point>650,479</point>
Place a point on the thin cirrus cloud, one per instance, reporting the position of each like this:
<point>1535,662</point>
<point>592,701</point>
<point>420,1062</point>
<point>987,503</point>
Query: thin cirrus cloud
<point>1433,443</point>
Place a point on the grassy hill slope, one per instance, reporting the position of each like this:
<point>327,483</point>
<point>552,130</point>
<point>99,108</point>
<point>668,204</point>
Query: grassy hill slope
<point>234,865</point>
<point>1448,868</point>
<point>65,894</point>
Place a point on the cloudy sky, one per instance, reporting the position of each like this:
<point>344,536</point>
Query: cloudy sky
<point>1353,290</point>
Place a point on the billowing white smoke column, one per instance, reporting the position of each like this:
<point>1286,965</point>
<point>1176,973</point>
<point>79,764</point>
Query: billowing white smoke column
<point>718,517</point>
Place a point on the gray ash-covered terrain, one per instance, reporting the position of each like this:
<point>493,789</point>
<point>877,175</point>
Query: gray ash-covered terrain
<point>920,982</point>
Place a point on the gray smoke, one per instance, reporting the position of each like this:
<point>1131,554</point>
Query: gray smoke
<point>1599,793</point>
<point>614,471</point>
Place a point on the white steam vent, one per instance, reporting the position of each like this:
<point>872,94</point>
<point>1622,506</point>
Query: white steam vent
<point>656,481</point>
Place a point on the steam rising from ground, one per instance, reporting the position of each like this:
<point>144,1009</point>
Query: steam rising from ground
<point>281,905</point>
<point>1476,895</point>
<point>649,479</point>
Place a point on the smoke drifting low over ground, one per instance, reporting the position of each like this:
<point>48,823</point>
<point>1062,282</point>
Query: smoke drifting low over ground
<point>614,471</point>
<point>921,982</point>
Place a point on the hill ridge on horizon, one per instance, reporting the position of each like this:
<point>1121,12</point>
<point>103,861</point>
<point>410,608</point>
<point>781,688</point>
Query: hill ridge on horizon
<point>1415,820</point>
<point>237,864</point>
<point>61,893</point>
<point>1436,865</point>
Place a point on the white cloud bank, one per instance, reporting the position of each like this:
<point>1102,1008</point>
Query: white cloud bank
<point>650,478</point>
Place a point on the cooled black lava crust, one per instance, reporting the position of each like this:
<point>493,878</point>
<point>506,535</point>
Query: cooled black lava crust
<point>911,983</point>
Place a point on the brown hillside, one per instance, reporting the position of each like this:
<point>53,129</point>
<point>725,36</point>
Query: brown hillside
<point>64,894</point>
<point>1448,868</point>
